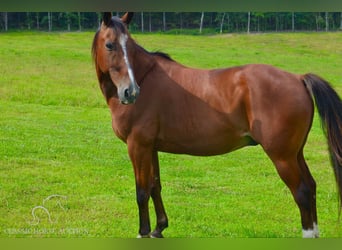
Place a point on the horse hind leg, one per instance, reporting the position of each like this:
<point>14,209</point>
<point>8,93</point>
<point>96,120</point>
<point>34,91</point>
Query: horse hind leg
<point>296,175</point>
<point>310,182</point>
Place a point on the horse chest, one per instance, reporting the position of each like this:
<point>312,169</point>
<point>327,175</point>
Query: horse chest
<point>120,125</point>
<point>119,131</point>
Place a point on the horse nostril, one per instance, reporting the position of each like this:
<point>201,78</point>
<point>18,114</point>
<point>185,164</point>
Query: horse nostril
<point>126,93</point>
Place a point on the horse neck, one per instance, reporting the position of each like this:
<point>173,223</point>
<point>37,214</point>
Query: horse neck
<point>191,79</point>
<point>143,62</point>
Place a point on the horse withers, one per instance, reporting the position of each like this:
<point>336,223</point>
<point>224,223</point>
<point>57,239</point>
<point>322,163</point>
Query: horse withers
<point>158,104</point>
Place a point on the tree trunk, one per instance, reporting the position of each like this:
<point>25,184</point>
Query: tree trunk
<point>248,22</point>
<point>228,23</point>
<point>293,22</point>
<point>258,24</point>
<point>49,21</point>
<point>326,21</point>
<point>79,22</point>
<point>6,21</point>
<point>164,21</point>
<point>150,22</point>
<point>341,21</point>
<point>142,21</point>
<point>99,19</point>
<point>222,20</point>
<point>28,20</point>
<point>37,16</point>
<point>181,21</point>
<point>201,23</point>
<point>317,23</point>
<point>68,21</point>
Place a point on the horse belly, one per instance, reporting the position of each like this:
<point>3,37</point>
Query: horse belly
<point>210,141</point>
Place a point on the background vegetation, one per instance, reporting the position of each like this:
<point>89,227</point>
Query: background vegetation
<point>56,139</point>
<point>180,22</point>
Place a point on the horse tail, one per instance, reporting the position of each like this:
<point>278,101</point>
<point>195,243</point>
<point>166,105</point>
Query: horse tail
<point>329,106</point>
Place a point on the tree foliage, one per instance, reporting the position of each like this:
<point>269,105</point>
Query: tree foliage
<point>178,22</point>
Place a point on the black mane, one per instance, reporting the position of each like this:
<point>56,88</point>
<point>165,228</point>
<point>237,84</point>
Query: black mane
<point>156,53</point>
<point>162,54</point>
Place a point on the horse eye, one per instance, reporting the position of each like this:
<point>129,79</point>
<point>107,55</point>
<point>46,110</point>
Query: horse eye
<point>110,46</point>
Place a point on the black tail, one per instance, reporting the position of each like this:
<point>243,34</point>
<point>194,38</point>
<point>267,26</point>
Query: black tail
<point>329,107</point>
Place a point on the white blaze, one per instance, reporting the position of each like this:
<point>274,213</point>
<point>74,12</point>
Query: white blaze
<point>123,41</point>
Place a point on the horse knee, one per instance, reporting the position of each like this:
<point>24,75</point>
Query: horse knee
<point>142,196</point>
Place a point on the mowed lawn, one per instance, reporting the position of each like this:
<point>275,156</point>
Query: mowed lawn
<point>63,173</point>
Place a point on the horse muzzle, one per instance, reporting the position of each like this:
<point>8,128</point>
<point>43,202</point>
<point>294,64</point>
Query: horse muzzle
<point>129,94</point>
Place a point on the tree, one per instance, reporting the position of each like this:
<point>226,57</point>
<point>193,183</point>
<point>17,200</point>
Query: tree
<point>222,20</point>
<point>164,21</point>
<point>259,15</point>
<point>228,21</point>
<point>99,18</point>
<point>68,18</point>
<point>181,20</point>
<point>79,21</point>
<point>50,20</point>
<point>248,22</point>
<point>319,21</point>
<point>6,21</point>
<point>217,21</point>
<point>5,18</point>
<point>201,22</point>
<point>149,22</point>
<point>37,20</point>
<point>28,20</point>
<point>142,21</point>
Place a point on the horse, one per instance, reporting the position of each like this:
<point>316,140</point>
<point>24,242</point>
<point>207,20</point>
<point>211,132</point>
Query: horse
<point>160,105</point>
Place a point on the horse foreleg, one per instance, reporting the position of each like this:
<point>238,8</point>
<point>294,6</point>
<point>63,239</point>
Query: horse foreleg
<point>162,221</point>
<point>141,158</point>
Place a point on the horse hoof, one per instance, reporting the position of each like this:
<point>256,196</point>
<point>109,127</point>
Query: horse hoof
<point>156,234</point>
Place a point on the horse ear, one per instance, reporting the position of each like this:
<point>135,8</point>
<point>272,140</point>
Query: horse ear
<point>127,18</point>
<point>106,18</point>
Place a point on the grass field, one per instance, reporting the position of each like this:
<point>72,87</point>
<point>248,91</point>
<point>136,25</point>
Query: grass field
<point>56,139</point>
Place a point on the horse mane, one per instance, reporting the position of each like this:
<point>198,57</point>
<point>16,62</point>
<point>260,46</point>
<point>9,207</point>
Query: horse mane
<point>156,53</point>
<point>161,54</point>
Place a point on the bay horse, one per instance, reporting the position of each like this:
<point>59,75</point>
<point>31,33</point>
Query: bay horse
<point>158,104</point>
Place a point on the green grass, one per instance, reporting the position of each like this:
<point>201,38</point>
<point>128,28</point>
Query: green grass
<point>56,138</point>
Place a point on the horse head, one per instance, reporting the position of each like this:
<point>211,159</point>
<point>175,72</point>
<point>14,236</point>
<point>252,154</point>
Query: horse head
<point>113,51</point>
